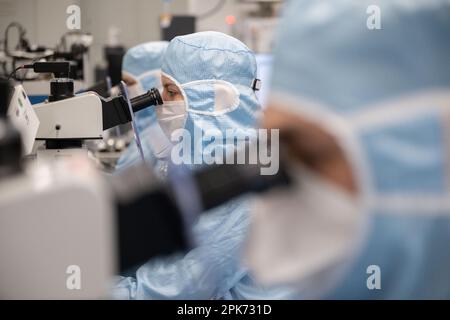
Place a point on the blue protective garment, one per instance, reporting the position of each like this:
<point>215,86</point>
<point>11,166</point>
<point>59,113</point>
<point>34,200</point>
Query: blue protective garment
<point>213,269</point>
<point>131,156</point>
<point>143,63</point>
<point>386,95</point>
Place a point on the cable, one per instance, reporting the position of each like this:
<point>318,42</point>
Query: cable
<point>13,74</point>
<point>213,10</point>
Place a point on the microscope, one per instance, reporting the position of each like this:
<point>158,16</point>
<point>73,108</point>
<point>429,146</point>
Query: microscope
<point>68,120</point>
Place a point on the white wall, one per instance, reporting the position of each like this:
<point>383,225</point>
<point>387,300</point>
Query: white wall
<point>45,20</point>
<point>138,20</point>
<point>215,22</point>
<point>244,28</point>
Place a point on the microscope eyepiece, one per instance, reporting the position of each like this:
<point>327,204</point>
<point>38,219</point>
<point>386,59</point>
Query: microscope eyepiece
<point>151,98</point>
<point>116,110</point>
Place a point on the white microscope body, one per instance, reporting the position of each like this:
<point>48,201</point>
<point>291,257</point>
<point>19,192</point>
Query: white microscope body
<point>23,116</point>
<point>75,119</point>
<point>56,233</point>
<point>79,117</point>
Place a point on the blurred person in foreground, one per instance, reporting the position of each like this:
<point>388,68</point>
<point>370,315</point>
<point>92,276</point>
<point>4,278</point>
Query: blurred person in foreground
<point>364,116</point>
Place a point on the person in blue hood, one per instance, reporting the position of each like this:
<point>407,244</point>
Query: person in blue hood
<point>209,85</point>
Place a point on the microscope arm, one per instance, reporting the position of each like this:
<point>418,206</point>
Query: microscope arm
<point>115,110</point>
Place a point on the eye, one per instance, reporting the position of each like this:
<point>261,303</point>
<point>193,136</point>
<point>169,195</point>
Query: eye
<point>172,91</point>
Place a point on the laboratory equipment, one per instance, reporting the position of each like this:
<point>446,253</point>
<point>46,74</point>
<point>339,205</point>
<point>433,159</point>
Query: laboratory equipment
<point>68,119</point>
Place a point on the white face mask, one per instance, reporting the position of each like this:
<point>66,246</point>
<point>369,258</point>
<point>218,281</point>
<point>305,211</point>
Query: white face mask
<point>171,116</point>
<point>298,233</point>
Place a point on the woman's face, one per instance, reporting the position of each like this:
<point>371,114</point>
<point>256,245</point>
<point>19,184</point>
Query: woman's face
<point>171,92</point>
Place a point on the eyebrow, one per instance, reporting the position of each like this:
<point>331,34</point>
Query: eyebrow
<point>171,86</point>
